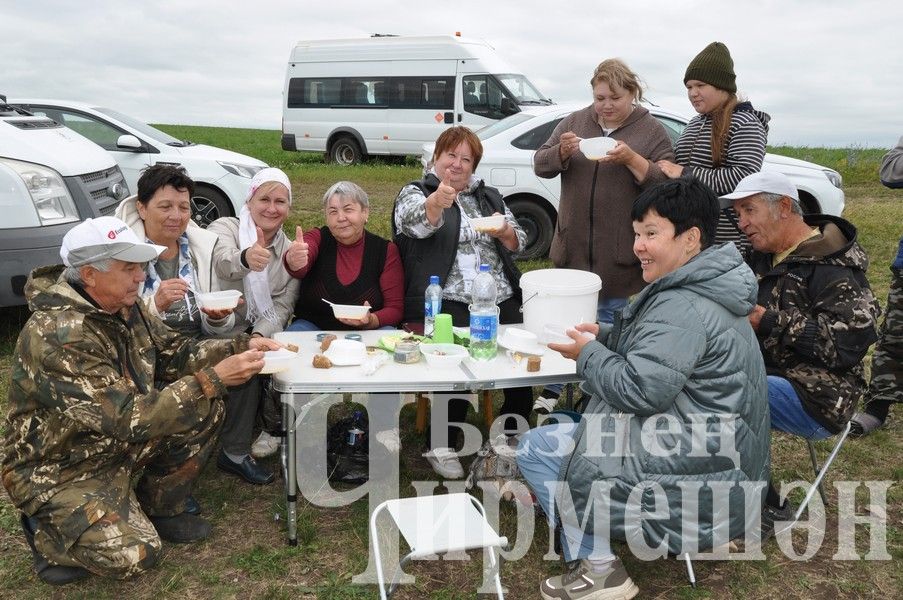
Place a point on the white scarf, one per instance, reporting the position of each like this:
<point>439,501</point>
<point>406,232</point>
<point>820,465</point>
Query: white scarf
<point>257,283</point>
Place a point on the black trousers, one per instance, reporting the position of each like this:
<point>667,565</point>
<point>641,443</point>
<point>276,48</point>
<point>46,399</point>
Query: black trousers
<point>518,401</point>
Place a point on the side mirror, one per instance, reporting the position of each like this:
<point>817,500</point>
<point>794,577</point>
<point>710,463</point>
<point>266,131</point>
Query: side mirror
<point>129,142</point>
<point>509,107</point>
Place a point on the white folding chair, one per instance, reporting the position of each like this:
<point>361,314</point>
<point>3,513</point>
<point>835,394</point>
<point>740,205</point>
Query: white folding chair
<point>436,525</point>
<point>820,472</point>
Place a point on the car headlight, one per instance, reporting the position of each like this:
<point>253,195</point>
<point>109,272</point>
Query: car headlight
<point>239,169</point>
<point>51,198</point>
<point>834,177</point>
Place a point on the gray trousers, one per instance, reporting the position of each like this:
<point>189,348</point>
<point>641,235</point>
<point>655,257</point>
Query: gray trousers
<point>241,414</point>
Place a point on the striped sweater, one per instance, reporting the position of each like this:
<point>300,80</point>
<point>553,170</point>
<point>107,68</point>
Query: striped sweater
<point>743,155</point>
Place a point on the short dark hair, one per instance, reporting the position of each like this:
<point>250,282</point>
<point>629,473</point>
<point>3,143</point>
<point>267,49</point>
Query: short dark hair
<point>686,202</point>
<point>156,177</point>
<point>452,137</point>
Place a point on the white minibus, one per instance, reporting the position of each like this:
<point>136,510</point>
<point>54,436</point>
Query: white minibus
<point>388,95</point>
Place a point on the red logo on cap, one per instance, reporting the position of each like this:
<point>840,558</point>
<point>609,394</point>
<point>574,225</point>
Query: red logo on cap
<point>112,235</point>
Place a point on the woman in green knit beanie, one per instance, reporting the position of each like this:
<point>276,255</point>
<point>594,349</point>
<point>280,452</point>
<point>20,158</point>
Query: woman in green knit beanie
<point>725,142</point>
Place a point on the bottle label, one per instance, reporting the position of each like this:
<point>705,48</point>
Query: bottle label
<point>431,308</point>
<point>483,328</point>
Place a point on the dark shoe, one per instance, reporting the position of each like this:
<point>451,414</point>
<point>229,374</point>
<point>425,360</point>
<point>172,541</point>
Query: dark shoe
<point>50,574</point>
<point>181,529</point>
<point>775,520</point>
<point>248,469</point>
<point>192,507</point>
<point>864,423</point>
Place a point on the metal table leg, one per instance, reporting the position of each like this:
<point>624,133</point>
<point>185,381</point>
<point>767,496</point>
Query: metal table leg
<point>291,470</point>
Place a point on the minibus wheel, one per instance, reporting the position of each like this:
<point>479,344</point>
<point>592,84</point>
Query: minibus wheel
<point>345,151</point>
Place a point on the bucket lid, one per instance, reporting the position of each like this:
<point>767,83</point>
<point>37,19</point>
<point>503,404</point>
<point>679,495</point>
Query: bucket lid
<point>561,282</point>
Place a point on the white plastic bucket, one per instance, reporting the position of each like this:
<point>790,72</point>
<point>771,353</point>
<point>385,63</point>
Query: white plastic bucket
<point>561,296</point>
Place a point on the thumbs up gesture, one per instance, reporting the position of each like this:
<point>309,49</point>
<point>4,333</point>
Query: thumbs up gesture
<point>445,194</point>
<point>296,255</point>
<point>258,255</point>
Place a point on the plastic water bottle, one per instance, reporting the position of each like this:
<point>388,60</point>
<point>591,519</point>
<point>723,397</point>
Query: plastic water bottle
<point>484,316</point>
<point>432,305</point>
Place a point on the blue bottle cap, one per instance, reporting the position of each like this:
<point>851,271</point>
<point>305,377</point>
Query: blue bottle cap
<point>434,279</point>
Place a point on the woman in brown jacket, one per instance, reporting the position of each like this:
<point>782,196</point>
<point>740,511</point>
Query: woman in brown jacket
<point>594,230</point>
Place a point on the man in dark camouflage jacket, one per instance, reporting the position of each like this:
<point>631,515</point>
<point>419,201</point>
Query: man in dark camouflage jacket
<point>101,391</point>
<point>816,315</point>
<point>886,387</point>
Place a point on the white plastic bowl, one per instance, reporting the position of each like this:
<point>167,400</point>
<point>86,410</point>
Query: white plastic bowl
<point>346,352</point>
<point>443,355</point>
<point>488,223</point>
<point>350,311</point>
<point>221,300</point>
<point>596,147</point>
<point>277,360</point>
<point>556,334</point>
<point>521,340</point>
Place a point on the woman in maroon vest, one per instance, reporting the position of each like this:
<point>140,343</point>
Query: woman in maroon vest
<point>344,263</point>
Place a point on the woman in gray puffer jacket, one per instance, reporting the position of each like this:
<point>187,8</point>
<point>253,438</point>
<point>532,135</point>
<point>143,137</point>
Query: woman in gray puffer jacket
<point>678,412</point>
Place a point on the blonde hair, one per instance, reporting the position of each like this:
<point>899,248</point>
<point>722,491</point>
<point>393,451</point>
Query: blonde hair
<point>721,126</point>
<point>615,72</point>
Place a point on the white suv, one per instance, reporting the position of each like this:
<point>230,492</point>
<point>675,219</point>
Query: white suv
<point>507,164</point>
<point>221,177</point>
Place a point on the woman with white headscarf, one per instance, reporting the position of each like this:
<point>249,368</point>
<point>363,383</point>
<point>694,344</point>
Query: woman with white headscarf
<point>248,258</point>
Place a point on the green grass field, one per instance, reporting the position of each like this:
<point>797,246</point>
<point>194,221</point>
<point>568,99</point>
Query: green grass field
<point>247,556</point>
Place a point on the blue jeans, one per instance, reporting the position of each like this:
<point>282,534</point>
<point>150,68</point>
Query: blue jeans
<point>605,313</point>
<point>898,262</point>
<point>304,325</point>
<point>788,414</point>
<point>540,462</point>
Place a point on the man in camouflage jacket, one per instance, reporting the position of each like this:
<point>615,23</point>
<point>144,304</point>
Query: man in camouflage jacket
<point>816,315</point>
<point>886,387</point>
<point>101,391</point>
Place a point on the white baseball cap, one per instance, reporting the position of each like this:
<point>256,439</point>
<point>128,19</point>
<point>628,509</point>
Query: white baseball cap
<point>763,182</point>
<point>103,238</point>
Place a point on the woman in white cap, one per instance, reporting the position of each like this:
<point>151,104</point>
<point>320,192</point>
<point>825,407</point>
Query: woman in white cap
<point>248,258</point>
<point>161,213</point>
<point>726,141</point>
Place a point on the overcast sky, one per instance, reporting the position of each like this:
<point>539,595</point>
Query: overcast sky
<point>828,71</point>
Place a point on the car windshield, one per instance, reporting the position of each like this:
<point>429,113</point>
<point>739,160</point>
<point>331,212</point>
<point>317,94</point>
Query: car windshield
<point>144,128</point>
<point>522,90</point>
<point>499,126</point>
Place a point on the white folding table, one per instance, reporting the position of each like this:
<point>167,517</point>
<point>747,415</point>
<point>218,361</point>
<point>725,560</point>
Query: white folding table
<point>301,383</point>
<point>307,393</point>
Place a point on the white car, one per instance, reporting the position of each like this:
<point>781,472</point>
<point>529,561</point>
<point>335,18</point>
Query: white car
<point>507,164</point>
<point>221,177</point>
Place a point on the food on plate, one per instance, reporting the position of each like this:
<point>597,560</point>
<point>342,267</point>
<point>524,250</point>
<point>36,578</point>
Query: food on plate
<point>327,340</point>
<point>291,347</point>
<point>322,362</point>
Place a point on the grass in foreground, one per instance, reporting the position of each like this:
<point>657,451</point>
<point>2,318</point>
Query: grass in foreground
<point>247,556</point>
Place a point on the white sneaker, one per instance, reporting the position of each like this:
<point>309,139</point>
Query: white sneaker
<point>445,463</point>
<point>265,445</point>
<point>544,405</point>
